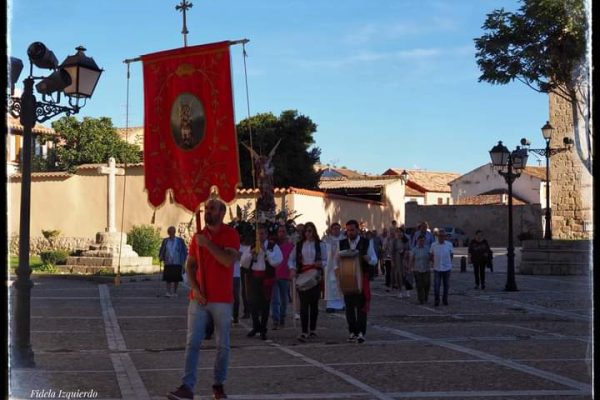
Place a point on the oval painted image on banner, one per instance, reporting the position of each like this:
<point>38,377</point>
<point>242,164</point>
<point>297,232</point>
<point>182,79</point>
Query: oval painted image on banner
<point>187,121</point>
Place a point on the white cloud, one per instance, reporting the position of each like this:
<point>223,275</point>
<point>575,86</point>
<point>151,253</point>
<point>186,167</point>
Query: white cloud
<point>389,31</point>
<point>365,57</point>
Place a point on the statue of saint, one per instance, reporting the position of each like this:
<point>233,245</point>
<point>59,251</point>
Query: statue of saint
<point>264,171</point>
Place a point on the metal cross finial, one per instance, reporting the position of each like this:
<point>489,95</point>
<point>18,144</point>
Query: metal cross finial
<point>183,7</point>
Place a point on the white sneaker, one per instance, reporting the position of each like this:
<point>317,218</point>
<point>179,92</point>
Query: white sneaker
<point>360,338</point>
<point>296,316</point>
<point>351,338</point>
<point>168,294</point>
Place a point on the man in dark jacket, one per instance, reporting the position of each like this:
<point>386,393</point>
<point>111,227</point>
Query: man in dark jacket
<point>357,305</point>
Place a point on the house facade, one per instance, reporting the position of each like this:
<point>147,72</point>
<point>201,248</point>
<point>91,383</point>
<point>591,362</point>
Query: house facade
<point>386,191</point>
<point>14,143</point>
<point>529,188</point>
<point>427,187</point>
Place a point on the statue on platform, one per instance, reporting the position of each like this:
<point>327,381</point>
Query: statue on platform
<point>264,170</point>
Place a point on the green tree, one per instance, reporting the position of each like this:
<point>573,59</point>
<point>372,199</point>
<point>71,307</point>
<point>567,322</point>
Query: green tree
<point>295,156</point>
<point>90,141</point>
<point>544,46</point>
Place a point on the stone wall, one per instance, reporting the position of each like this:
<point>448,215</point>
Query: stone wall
<point>491,219</point>
<point>556,257</point>
<point>571,183</point>
<point>39,243</point>
<point>75,204</point>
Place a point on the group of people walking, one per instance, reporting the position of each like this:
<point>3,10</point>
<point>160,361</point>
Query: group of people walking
<point>224,265</point>
<point>311,262</point>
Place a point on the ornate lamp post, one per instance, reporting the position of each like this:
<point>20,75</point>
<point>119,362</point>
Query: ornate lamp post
<point>77,77</point>
<point>509,165</point>
<point>404,177</point>
<point>548,152</point>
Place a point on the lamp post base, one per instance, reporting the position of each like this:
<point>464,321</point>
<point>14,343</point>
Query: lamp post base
<point>21,357</point>
<point>511,287</point>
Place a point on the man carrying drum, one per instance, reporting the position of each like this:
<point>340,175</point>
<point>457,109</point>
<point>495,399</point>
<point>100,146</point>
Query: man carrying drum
<point>357,302</point>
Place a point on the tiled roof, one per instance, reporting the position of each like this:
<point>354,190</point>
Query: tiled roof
<point>341,172</point>
<point>363,182</point>
<point>430,181</point>
<point>42,175</point>
<point>412,192</point>
<point>538,172</point>
<point>14,125</point>
<point>119,165</point>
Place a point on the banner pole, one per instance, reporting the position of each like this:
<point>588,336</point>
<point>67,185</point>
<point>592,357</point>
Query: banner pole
<point>231,43</point>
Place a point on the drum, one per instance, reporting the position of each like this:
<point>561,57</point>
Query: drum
<point>307,280</point>
<point>349,272</point>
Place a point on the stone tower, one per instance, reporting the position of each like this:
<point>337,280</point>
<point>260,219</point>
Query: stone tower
<point>571,181</point>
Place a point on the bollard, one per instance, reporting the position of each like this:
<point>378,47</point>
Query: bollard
<point>463,264</point>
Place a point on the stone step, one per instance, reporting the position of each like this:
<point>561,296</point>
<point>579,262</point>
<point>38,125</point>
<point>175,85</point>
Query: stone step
<point>557,244</point>
<point>555,257</point>
<point>109,261</point>
<point>545,268</point>
<point>94,269</point>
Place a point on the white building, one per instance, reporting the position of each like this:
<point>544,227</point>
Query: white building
<point>426,187</point>
<point>530,187</point>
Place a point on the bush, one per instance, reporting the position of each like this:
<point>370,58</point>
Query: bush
<point>49,268</point>
<point>145,240</point>
<point>54,257</point>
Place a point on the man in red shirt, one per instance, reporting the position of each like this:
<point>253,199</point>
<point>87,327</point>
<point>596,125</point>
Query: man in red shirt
<point>212,254</point>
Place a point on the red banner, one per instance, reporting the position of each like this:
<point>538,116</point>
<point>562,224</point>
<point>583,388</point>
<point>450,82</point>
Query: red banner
<point>190,142</point>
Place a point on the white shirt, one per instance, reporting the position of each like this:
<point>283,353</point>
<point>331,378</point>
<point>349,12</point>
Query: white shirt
<point>237,264</point>
<point>370,250</point>
<point>309,254</point>
<point>442,255</point>
<point>274,257</point>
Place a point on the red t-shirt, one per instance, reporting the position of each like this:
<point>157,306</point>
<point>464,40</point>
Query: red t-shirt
<point>218,278</point>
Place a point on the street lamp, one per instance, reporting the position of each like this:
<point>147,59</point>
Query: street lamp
<point>76,77</point>
<point>509,165</point>
<point>548,152</point>
<point>404,177</point>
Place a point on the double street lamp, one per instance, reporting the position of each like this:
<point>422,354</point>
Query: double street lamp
<point>76,77</point>
<point>509,164</point>
<point>548,152</point>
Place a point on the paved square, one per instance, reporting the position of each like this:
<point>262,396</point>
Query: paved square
<point>128,342</point>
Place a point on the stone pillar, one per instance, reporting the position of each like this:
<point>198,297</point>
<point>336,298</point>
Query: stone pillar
<point>112,171</point>
<point>571,183</point>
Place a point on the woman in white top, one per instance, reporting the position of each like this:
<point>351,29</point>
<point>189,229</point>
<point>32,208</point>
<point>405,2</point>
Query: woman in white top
<point>308,254</point>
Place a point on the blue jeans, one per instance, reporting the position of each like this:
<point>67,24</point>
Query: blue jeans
<point>279,300</point>
<point>198,316</point>
<point>440,277</point>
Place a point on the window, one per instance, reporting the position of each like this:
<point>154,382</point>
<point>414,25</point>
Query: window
<point>440,201</point>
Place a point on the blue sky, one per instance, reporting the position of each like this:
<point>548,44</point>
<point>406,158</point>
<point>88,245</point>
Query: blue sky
<point>389,83</point>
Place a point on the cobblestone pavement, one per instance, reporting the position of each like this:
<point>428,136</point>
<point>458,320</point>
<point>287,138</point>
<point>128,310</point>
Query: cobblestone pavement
<point>127,342</point>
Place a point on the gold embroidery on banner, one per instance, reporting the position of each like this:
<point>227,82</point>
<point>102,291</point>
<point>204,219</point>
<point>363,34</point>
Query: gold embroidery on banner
<point>185,69</point>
